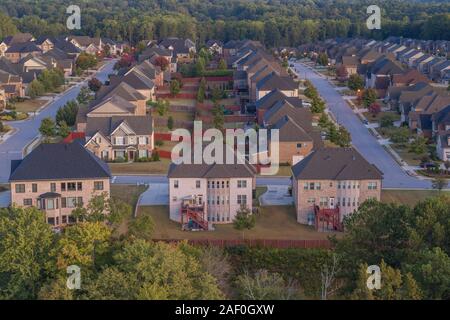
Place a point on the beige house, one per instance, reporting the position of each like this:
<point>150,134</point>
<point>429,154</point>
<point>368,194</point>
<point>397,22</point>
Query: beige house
<point>57,178</point>
<point>336,179</point>
<point>218,191</point>
<point>285,84</point>
<point>120,137</point>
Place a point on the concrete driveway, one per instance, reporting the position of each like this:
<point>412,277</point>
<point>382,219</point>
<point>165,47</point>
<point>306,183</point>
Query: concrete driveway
<point>156,194</point>
<point>28,129</point>
<point>5,199</point>
<point>276,195</point>
<point>363,141</point>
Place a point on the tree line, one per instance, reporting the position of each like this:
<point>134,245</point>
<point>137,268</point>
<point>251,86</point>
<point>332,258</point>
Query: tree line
<point>287,23</point>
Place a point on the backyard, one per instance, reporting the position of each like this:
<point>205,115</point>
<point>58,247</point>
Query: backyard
<point>153,167</point>
<point>408,197</point>
<point>29,105</point>
<point>275,222</point>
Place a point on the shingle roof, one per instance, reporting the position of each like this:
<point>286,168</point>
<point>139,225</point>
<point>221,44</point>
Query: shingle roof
<point>59,161</point>
<point>273,97</point>
<point>335,164</point>
<point>274,81</point>
<point>23,48</point>
<point>141,125</point>
<point>290,131</point>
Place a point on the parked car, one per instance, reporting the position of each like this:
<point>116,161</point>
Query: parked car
<point>365,122</point>
<point>428,165</point>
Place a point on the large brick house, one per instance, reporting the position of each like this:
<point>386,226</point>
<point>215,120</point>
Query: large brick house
<point>56,178</point>
<point>339,179</point>
<point>217,191</point>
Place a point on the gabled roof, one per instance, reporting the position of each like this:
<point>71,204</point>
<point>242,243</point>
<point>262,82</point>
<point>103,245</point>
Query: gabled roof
<point>302,116</point>
<point>335,164</point>
<point>385,66</point>
<point>141,125</point>
<point>59,161</point>
<point>179,45</point>
<point>274,81</point>
<point>273,97</point>
<point>113,105</point>
<point>18,38</point>
<point>350,60</point>
<point>409,77</point>
<point>290,131</point>
<point>25,47</point>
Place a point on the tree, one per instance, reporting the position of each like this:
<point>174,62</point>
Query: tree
<point>244,219</point>
<point>322,59</point>
<point>35,89</point>
<point>84,96</point>
<point>141,227</point>
<point>68,113</point>
<point>345,138</point>
<point>175,87</point>
<point>222,64</point>
<point>374,109</point>
<point>154,270</point>
<point>418,145</point>
<point>161,107</point>
<point>95,211</point>
<point>387,120</point>
<point>200,67</point>
<point>265,286</point>
<point>25,261</point>
<point>201,90</point>
<point>399,135</point>
<point>218,115</point>
<point>161,62</point>
<point>81,244</point>
<point>63,129</point>
<point>324,122</point>
<point>86,61</point>
<point>369,96</point>
<point>94,84</point>
<point>317,105</point>
<point>439,183</point>
<point>170,123</point>
<point>355,82</point>
<point>48,127</point>
<point>341,73</point>
<point>2,127</point>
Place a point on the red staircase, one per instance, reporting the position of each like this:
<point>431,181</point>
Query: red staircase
<point>195,214</point>
<point>329,219</point>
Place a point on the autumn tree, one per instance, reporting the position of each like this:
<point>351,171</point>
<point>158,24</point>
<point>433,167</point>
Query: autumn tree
<point>161,62</point>
<point>355,82</point>
<point>244,219</point>
<point>94,84</point>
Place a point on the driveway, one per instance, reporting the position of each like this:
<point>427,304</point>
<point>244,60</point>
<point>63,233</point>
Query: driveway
<point>363,141</point>
<point>156,194</point>
<point>28,129</point>
<point>276,195</point>
<point>5,199</point>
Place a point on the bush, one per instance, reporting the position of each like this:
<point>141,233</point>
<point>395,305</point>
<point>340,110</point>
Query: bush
<point>143,159</point>
<point>159,143</point>
<point>155,156</point>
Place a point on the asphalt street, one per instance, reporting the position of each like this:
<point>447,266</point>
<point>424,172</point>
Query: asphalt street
<point>363,141</point>
<point>28,129</point>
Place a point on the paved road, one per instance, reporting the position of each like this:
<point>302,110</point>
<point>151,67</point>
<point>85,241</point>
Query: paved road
<point>11,149</point>
<point>367,145</point>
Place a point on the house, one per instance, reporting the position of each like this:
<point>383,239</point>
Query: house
<point>335,179</point>
<point>443,145</point>
<point>18,51</point>
<point>183,49</point>
<point>408,77</point>
<point>56,178</point>
<point>421,111</point>
<point>215,46</point>
<point>2,99</point>
<point>11,85</point>
<point>382,68</point>
<point>269,100</point>
<point>273,81</point>
<point>87,44</point>
<point>14,39</point>
<point>44,43</point>
<point>63,60</point>
<point>441,120</point>
<point>120,137</point>
<point>351,64</point>
<point>203,194</point>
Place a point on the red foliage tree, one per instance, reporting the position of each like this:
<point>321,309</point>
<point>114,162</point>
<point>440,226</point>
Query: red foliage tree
<point>374,109</point>
<point>94,84</point>
<point>341,73</point>
<point>161,62</point>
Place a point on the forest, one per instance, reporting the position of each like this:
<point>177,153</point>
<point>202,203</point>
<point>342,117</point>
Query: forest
<point>274,22</point>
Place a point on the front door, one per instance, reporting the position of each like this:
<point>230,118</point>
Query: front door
<point>332,205</point>
<point>131,155</point>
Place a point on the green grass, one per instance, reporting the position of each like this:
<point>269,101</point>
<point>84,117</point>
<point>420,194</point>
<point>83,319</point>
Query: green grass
<point>154,167</point>
<point>410,158</point>
<point>29,105</point>
<point>278,222</point>
<point>371,118</point>
<point>129,194</point>
<point>259,192</point>
<point>408,197</point>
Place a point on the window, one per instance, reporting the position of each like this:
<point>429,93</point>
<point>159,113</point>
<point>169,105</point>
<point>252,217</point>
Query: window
<point>299,145</point>
<point>242,183</point>
<point>51,221</point>
<point>331,184</point>
<point>53,187</point>
<point>223,184</point>
<point>50,204</point>
<point>339,184</point>
<point>311,200</point>
<point>80,201</point>
<point>71,202</point>
<point>242,199</point>
<point>209,184</point>
<point>218,184</point>
<point>98,185</point>
<point>20,188</point>
<point>305,186</point>
<point>212,184</point>
<point>372,186</point>
<point>63,186</point>
<point>318,186</point>
<point>143,154</point>
<point>64,219</point>
<point>323,201</point>
<point>79,186</point>
<point>197,184</point>
<point>311,185</point>
<point>71,186</point>
<point>174,199</point>
<point>27,202</point>
<point>228,183</point>
<point>34,187</point>
<point>175,184</point>
<point>63,203</point>
<point>120,141</point>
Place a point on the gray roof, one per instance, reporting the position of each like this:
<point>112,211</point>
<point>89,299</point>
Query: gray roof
<point>274,81</point>
<point>336,164</point>
<point>141,125</point>
<point>273,97</point>
<point>290,131</point>
<point>59,161</point>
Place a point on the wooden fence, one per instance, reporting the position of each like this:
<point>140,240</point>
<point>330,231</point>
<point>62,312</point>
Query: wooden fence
<point>265,243</point>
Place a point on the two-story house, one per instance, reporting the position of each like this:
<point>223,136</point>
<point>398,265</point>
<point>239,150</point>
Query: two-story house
<point>57,178</point>
<point>335,179</point>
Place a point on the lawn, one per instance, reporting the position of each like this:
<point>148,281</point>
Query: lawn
<point>271,223</point>
<point>259,192</point>
<point>408,197</point>
<point>371,118</point>
<point>154,167</point>
<point>182,102</point>
<point>410,158</point>
<point>284,171</point>
<point>29,105</point>
<point>129,194</point>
